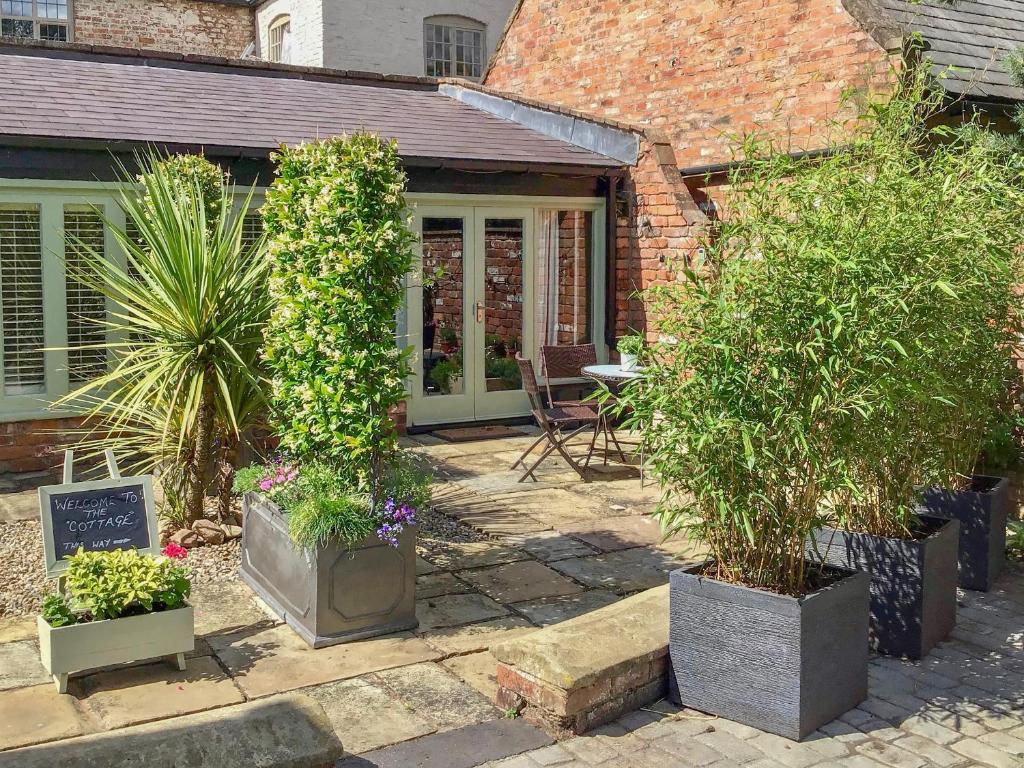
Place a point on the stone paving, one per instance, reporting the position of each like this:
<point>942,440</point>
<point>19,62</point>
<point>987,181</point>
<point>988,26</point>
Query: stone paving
<point>557,548</point>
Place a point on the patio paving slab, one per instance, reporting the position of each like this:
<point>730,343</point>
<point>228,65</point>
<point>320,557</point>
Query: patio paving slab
<point>275,659</point>
<point>614,533</point>
<point>226,606</point>
<point>550,545</point>
<point>461,748</point>
<point>365,716</point>
<point>629,570</point>
<point>424,567</point>
<point>479,670</point>
<point>469,638</point>
<point>155,691</point>
<point>474,554</point>
<point>437,695</point>
<point>516,582</point>
<point>23,505</point>
<point>20,665</point>
<point>440,583</point>
<point>453,610</point>
<point>38,714</point>
<point>18,628</point>
<point>552,610</point>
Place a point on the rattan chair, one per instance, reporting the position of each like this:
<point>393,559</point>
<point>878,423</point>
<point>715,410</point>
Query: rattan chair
<point>558,425</point>
<point>567,362</point>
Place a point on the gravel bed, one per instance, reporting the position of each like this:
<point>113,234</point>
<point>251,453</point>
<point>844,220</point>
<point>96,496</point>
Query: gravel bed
<point>23,582</point>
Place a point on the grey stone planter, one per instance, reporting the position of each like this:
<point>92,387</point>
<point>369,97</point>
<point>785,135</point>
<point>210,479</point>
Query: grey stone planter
<point>333,594</point>
<point>982,510</point>
<point>913,582</point>
<point>783,664</point>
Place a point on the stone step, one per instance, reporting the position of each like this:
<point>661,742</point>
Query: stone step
<point>587,671</point>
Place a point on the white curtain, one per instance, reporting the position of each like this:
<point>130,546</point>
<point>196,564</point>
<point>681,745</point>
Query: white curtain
<point>546,295</point>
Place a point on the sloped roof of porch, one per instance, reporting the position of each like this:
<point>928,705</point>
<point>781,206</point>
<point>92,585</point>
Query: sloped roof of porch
<point>82,95</point>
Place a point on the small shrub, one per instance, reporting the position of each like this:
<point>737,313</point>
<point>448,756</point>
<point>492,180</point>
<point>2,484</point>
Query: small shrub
<point>505,369</point>
<point>1015,540</point>
<point>56,612</point>
<point>109,585</point>
<point>631,345</point>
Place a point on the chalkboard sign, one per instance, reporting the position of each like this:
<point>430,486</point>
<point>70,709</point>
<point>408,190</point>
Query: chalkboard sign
<point>100,515</point>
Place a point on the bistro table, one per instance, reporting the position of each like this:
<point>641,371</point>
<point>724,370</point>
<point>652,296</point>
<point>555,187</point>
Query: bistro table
<point>613,373</point>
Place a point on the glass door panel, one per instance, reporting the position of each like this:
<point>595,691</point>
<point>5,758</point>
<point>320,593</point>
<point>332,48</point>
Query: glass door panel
<point>444,320</point>
<point>503,238</point>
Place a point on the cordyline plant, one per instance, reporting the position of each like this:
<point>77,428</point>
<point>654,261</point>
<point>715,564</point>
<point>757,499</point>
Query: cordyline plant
<point>340,249</point>
<point>184,340</point>
<point>799,380</point>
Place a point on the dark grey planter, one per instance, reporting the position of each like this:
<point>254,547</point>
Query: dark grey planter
<point>982,511</point>
<point>783,664</point>
<point>334,594</point>
<point>913,582</point>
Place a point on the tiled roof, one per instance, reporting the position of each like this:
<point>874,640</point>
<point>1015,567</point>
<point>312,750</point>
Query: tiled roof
<point>972,36</point>
<point>66,95</point>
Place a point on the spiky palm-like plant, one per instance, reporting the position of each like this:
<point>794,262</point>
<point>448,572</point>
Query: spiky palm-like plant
<point>191,305</point>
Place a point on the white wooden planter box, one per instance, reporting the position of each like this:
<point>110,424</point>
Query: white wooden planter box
<point>77,647</point>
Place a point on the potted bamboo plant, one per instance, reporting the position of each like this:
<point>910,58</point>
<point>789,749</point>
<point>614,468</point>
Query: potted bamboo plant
<point>328,531</point>
<point>118,606</point>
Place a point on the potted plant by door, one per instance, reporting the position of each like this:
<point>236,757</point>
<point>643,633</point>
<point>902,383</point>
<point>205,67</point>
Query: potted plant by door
<point>327,536</point>
<point>117,607</point>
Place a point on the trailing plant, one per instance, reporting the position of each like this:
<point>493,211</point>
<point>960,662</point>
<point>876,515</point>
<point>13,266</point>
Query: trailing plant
<point>110,585</point>
<point>321,510</point>
<point>817,372</point>
<point>186,379</point>
<point>339,248</point>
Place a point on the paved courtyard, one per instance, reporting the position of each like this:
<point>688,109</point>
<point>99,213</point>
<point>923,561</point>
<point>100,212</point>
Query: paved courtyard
<point>555,549</point>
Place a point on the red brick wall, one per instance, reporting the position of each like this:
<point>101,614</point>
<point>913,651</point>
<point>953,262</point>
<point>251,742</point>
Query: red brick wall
<point>699,72</point>
<point>32,446</point>
<point>185,26</point>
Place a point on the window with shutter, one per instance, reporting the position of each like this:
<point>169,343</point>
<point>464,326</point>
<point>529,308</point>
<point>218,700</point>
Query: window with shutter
<point>21,300</point>
<point>86,307</point>
<point>252,228</point>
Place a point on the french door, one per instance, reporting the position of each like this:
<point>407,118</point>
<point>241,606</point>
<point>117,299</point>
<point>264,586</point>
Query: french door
<point>468,312</point>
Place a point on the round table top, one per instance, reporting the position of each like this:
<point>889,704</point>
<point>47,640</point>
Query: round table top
<point>611,371</point>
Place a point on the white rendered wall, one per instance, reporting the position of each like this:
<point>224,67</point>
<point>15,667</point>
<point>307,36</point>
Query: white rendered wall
<point>307,29</point>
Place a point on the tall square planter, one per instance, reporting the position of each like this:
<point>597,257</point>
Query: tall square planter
<point>913,582</point>
<point>783,664</point>
<point>333,594</point>
<point>982,510</point>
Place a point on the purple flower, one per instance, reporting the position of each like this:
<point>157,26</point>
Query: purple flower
<point>266,484</point>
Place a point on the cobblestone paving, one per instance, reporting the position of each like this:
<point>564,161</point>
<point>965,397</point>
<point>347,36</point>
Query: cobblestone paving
<point>961,706</point>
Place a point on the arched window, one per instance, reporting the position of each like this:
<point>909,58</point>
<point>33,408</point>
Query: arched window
<point>279,40</point>
<point>454,46</point>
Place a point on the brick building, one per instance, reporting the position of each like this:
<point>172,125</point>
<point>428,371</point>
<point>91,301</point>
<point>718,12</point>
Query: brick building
<point>694,76</point>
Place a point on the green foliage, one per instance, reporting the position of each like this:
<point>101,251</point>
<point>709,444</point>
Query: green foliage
<point>109,585</point>
<point>184,341</point>
<point>56,612</point>
<point>443,373</point>
<point>846,343</point>
<point>1015,540</point>
<point>505,369</point>
<point>1015,66</point>
<point>1002,447</point>
<point>321,510</point>
<point>631,345</point>
<point>340,248</point>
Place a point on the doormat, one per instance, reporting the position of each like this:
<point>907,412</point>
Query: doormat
<point>469,434</point>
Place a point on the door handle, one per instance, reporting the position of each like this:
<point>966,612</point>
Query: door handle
<point>480,311</point>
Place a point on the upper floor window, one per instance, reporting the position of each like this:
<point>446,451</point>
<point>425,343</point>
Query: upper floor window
<point>36,19</point>
<point>279,44</point>
<point>453,46</point>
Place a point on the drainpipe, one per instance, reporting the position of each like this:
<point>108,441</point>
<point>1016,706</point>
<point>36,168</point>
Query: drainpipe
<point>611,309</point>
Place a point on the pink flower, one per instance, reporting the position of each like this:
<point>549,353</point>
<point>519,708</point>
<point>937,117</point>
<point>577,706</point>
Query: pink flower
<point>266,484</point>
<point>174,551</point>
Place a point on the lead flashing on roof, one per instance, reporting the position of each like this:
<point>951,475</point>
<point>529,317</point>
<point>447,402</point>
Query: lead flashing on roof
<point>615,143</point>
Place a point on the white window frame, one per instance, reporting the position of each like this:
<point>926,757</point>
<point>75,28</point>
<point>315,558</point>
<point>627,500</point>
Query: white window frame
<point>52,198</point>
<point>37,19</point>
<point>454,25</point>
<point>279,27</point>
